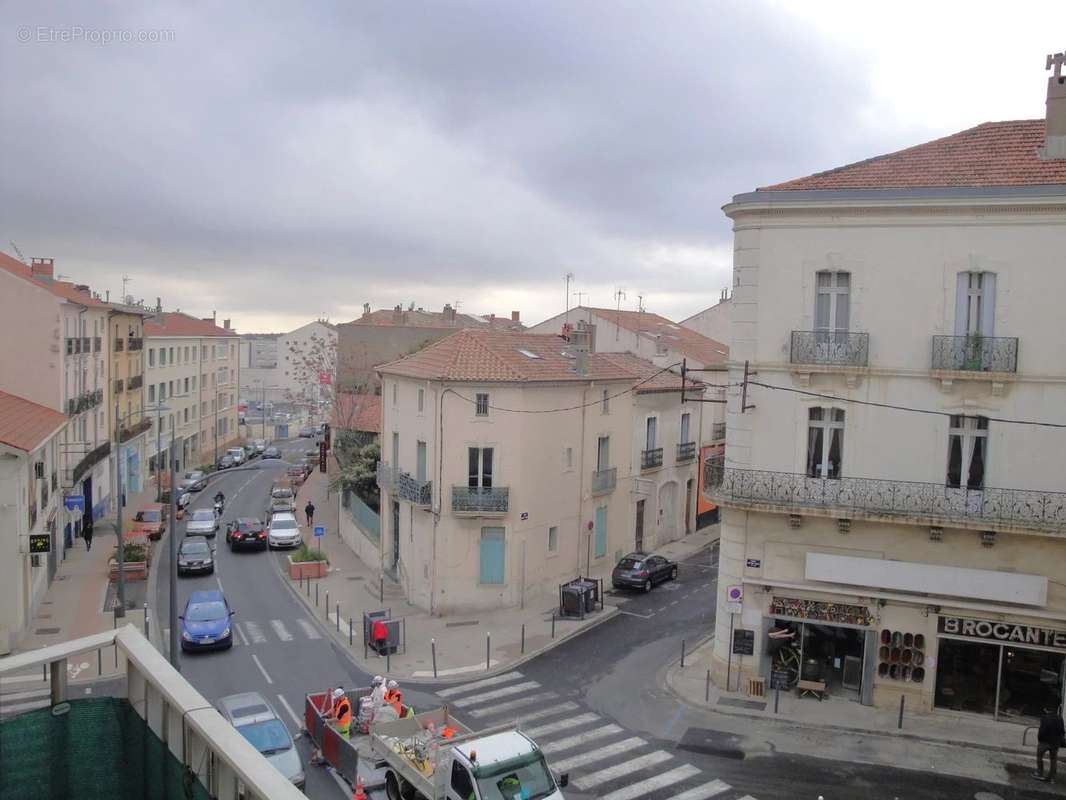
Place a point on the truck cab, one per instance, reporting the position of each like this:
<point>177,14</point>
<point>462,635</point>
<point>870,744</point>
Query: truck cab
<point>501,766</point>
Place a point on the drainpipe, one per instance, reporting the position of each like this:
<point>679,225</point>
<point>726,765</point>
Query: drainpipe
<point>581,476</point>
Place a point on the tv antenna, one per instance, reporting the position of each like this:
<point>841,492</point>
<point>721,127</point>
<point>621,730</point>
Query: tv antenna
<point>22,258</point>
<point>125,280</point>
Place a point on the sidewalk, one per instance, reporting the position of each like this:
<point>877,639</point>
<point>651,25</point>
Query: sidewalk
<point>839,714</point>
<point>461,640</point>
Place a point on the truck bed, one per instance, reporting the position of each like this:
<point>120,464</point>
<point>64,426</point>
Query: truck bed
<point>408,747</point>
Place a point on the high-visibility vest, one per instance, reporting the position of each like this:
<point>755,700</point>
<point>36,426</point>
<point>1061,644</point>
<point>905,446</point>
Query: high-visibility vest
<point>344,715</point>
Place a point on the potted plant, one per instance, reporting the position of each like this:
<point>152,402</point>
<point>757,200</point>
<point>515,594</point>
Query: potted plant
<point>135,562</point>
<point>307,562</point>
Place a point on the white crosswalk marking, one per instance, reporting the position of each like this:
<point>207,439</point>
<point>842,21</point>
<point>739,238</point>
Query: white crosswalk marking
<point>505,708</point>
<point>707,790</point>
<point>646,787</point>
<point>281,630</point>
<point>592,756</point>
<point>255,632</point>
<point>552,711</point>
<point>562,725</point>
<point>580,739</point>
<point>621,770</point>
<point>482,684</point>
<point>308,628</point>
<point>488,697</point>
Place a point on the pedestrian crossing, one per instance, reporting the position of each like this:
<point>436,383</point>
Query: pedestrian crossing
<point>604,760</point>
<point>255,632</point>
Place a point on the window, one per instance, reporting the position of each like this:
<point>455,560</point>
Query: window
<point>832,301</point>
<point>420,461</point>
<point>162,356</point>
<point>603,453</point>
<point>600,543</point>
<point>605,407</point>
<point>421,400</point>
<point>194,383</point>
<point>482,405</point>
<point>568,458</point>
<point>170,355</point>
<point>479,460</point>
<point>461,782</point>
<point>151,357</point>
<point>492,555</point>
<point>553,539</point>
<point>162,392</point>
<point>395,393</point>
<point>967,452</point>
<point>186,386</point>
<point>151,393</point>
<point>186,353</point>
<point>975,304</point>
<point>186,415</point>
<point>650,436</point>
<point>203,352</point>
<point>214,352</point>
<point>686,420</point>
<point>170,388</point>
<point>825,442</point>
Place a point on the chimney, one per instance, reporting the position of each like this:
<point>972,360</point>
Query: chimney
<point>580,344</point>
<point>366,310</point>
<point>43,268</point>
<point>214,316</point>
<point>515,316</point>
<point>1055,136</point>
<point>449,313</point>
<point>397,315</point>
<point>83,288</point>
<point>225,324</point>
<point>159,305</point>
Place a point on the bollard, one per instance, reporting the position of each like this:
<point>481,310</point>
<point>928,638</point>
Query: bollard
<point>99,661</point>
<point>316,594</point>
<point>349,631</point>
<point>327,601</point>
<point>365,654</point>
<point>146,621</point>
<point>433,651</point>
<point>45,669</point>
<point>902,699</point>
<point>381,589</point>
<point>488,648</point>
<point>682,654</point>
<point>777,698</point>
<point>403,634</point>
<point>707,689</point>
<point>388,658</point>
<point>553,625</point>
<point>338,617</point>
<point>307,583</point>
<point>523,638</point>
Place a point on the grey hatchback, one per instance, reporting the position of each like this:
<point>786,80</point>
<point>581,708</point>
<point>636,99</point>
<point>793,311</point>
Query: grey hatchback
<point>640,571</point>
<point>257,721</point>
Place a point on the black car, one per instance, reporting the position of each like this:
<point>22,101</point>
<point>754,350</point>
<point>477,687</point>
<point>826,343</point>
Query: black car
<point>226,462</point>
<point>640,571</point>
<point>271,452</point>
<point>246,532</point>
<point>195,557</point>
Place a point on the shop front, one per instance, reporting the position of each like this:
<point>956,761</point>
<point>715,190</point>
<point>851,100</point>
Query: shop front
<point>1011,671</point>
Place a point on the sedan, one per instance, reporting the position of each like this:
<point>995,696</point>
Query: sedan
<point>259,445</point>
<point>203,522</point>
<point>296,474</point>
<point>246,532</point>
<point>205,623</point>
<point>195,557</point>
<point>284,531</point>
<point>271,452</point>
<point>307,433</point>
<point>640,571</point>
<point>226,462</point>
<point>257,721</point>
<point>194,481</point>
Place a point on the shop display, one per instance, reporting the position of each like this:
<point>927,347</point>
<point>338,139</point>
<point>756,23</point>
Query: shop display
<point>901,656</point>
<point>819,610</point>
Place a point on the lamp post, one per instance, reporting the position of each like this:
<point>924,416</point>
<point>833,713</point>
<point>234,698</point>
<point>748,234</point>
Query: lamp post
<point>173,588</point>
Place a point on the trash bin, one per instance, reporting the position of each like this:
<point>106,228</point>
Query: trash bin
<point>589,592</point>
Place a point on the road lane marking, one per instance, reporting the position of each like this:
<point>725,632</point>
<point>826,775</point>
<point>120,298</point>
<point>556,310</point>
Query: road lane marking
<point>488,697</point>
<point>618,748</point>
<point>281,630</point>
<point>532,716</point>
<point>218,580</point>
<point>309,628</point>
<point>296,720</point>
<point>706,790</point>
<point>621,770</point>
<point>255,633</point>
<point>262,669</point>
<point>674,603</point>
<point>645,788</point>
<point>581,738</point>
<point>469,687</point>
<point>240,633</point>
<point>561,725</point>
<point>635,614</point>
<point>503,708</point>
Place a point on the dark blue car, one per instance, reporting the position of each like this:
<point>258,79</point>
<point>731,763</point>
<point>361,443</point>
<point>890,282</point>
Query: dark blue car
<point>205,625</point>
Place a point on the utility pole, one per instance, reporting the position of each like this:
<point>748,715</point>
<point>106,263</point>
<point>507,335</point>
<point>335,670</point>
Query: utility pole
<point>579,295</point>
<point>158,454</point>
<point>173,535</point>
<point>216,426</point>
<point>569,278</point>
<point>120,609</point>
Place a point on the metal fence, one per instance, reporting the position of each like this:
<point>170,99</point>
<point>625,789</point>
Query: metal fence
<point>976,353</point>
<point>366,519</point>
<point>480,500</point>
<point>837,348</point>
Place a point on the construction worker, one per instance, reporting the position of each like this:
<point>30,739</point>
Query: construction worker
<point>377,692</point>
<point>392,691</point>
<point>342,712</point>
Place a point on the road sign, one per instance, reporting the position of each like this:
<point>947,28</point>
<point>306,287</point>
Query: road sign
<point>322,456</point>
<point>74,502</point>
<point>734,594</point>
<point>320,531</point>
<point>731,608</point>
<point>40,543</point>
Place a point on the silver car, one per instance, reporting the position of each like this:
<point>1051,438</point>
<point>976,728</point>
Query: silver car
<point>255,719</point>
<point>202,522</point>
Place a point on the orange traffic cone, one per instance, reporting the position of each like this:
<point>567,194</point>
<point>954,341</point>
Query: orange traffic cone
<point>359,793</point>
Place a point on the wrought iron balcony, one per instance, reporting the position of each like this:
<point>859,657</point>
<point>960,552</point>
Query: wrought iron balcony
<point>413,490</point>
<point>84,402</point>
<point>925,503</point>
<point>125,434</point>
<point>830,348</point>
<point>718,431</point>
<point>120,386</point>
<point>480,501</point>
<point>91,458</point>
<point>651,459</point>
<point>135,382</point>
<point>604,480</point>
<point>976,353</point>
<point>135,343</point>
<point>686,451</point>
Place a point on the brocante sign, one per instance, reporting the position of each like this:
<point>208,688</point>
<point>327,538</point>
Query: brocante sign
<point>1006,632</point>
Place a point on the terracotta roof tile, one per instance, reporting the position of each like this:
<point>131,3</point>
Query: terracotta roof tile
<point>25,425</point>
<point>436,319</point>
<point>63,289</point>
<point>992,154</point>
<point>357,412</point>
<point>689,343</point>
<point>174,323</point>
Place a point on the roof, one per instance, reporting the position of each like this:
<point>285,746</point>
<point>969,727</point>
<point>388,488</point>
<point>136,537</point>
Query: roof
<point>992,154</point>
<point>25,425</point>
<point>499,747</point>
<point>175,323</point>
<point>62,289</point>
<point>486,356</point>
<point>206,596</point>
<point>707,351</point>
<point>357,412</point>
<point>419,318</point>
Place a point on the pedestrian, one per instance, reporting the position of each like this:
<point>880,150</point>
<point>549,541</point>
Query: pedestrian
<point>87,532</point>
<point>1048,740</point>
<point>309,510</point>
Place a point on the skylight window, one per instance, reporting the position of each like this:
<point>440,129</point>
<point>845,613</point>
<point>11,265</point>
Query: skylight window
<point>528,354</point>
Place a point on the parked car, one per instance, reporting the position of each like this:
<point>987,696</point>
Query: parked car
<point>282,497</point>
<point>284,531</point>
<point>195,481</point>
<point>151,520</point>
<point>184,498</point>
<point>226,462</point>
<point>640,571</point>
<point>195,556</point>
<point>245,532</point>
<point>257,721</point>
<point>309,465</point>
<point>205,623</point>
<point>296,474</point>
<point>239,455</point>
<point>311,453</point>
<point>271,452</point>
<point>307,433</point>
<point>259,445</point>
<point>202,522</point>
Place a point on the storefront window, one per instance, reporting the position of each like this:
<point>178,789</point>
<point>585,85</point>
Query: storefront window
<point>1032,681</point>
<point>966,676</point>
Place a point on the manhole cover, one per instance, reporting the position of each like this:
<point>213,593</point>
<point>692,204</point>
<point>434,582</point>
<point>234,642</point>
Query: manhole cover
<point>986,796</point>
<point>711,743</point>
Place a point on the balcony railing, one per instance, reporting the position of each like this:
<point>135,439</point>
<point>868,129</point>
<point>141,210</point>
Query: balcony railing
<point>718,431</point>
<point>480,500</point>
<point>135,343</point>
<point>120,386</point>
<point>932,503</point>
<point>84,402</point>
<point>125,434</point>
<point>120,345</point>
<point>89,461</point>
<point>830,348</point>
<point>135,382</point>
<point>604,480</point>
<point>976,353</point>
<point>686,451</point>
<point>651,459</point>
<point>413,490</point>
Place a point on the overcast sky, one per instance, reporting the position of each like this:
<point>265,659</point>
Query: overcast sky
<point>281,161</point>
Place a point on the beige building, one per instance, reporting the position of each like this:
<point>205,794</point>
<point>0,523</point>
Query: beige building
<point>295,367</point>
<point>31,510</point>
<point>885,525</point>
<point>713,322</point>
<point>554,462</point>
<point>125,346</point>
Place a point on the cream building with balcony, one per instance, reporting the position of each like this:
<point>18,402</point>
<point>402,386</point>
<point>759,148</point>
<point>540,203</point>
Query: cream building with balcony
<point>125,345</point>
<point>513,462</point>
<point>885,526</point>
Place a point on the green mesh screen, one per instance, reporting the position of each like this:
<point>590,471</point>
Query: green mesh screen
<point>100,749</point>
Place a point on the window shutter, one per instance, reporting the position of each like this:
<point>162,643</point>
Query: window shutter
<point>962,288</point>
<point>988,304</point>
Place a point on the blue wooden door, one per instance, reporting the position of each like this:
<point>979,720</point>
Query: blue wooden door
<point>601,531</point>
<point>492,555</point>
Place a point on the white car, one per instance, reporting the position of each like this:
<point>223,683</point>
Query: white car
<point>239,456</point>
<point>201,522</point>
<point>284,531</point>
